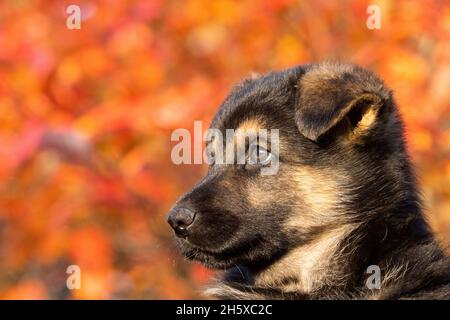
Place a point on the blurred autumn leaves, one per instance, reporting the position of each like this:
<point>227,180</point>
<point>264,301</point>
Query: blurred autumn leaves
<point>86,117</point>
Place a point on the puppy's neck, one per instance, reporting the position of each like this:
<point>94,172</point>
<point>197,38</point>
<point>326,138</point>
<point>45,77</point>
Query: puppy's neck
<point>309,267</point>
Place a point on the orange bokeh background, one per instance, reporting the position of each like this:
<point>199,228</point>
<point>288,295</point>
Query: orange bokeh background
<point>86,116</point>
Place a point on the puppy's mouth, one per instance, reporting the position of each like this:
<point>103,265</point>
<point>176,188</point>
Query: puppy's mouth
<point>239,253</point>
<point>208,259</point>
<point>212,259</point>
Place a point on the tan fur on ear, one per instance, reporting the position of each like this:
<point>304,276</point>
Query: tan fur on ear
<point>366,113</point>
<point>367,121</point>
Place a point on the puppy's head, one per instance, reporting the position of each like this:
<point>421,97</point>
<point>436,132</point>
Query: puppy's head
<point>340,153</point>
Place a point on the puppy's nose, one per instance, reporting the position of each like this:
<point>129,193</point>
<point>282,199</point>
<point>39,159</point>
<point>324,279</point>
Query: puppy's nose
<point>179,219</point>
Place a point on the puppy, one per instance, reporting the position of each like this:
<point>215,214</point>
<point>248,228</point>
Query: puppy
<point>340,219</point>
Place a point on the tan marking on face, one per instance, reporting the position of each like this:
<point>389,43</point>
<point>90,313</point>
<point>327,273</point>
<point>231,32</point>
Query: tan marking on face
<point>259,197</point>
<point>250,125</point>
<point>316,193</point>
<point>321,195</point>
<point>247,129</point>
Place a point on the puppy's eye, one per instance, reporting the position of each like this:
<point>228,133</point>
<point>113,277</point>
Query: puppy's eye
<point>259,155</point>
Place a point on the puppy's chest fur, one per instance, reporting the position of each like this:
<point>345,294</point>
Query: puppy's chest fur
<point>325,270</point>
<point>303,270</point>
<point>308,267</point>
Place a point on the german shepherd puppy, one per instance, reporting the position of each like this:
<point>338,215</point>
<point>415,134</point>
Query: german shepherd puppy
<point>343,202</point>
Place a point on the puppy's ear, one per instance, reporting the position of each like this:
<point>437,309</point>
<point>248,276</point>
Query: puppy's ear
<point>330,94</point>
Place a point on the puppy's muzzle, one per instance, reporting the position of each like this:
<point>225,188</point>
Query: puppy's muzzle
<point>180,219</point>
